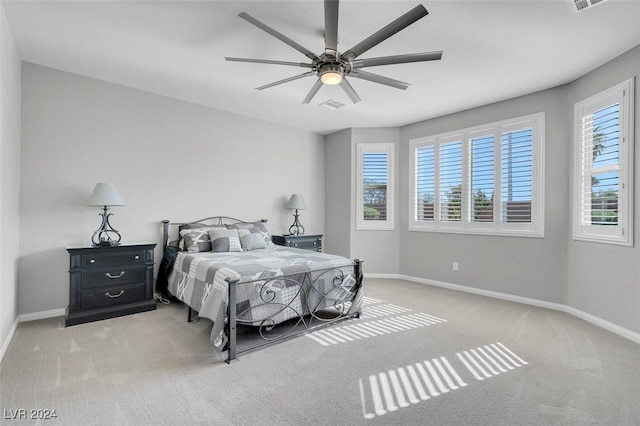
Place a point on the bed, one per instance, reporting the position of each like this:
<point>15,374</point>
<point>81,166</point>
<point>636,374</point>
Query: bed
<point>230,272</point>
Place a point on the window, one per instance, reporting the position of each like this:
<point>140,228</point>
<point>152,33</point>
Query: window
<point>375,186</point>
<point>603,193</point>
<point>481,180</point>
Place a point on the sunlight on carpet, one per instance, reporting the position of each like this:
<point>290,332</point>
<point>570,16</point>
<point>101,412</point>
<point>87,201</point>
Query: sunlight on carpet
<point>361,328</point>
<point>392,390</point>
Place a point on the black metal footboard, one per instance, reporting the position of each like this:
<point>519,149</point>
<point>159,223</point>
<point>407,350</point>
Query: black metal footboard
<point>289,305</point>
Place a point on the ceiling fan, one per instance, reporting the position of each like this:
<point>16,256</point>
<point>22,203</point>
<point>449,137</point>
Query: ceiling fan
<point>332,67</point>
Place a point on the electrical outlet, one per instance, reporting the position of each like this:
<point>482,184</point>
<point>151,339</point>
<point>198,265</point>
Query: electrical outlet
<point>454,266</point>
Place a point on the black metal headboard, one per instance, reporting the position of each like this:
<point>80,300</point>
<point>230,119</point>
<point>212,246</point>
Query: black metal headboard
<point>213,220</point>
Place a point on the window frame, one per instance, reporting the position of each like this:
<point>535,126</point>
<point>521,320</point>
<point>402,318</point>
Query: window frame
<point>535,228</point>
<point>622,233</point>
<point>375,225</point>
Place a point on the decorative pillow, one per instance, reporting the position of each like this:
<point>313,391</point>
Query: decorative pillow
<point>194,225</point>
<point>224,240</point>
<point>255,228</point>
<point>196,240</point>
<point>251,241</point>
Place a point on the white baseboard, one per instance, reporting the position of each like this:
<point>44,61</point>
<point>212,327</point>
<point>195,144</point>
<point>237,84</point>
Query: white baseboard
<point>28,317</point>
<point>60,312</point>
<point>385,276</point>
<point>614,328</point>
<point>7,341</point>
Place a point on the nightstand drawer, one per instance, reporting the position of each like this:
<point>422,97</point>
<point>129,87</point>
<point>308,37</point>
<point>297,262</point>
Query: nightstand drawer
<point>306,245</point>
<point>102,260</point>
<point>111,296</point>
<point>304,242</point>
<point>112,277</point>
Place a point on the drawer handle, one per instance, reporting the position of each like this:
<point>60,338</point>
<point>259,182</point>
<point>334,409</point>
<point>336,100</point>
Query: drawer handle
<point>113,277</point>
<point>114,296</point>
<point>295,244</point>
<point>137,257</point>
<point>92,261</point>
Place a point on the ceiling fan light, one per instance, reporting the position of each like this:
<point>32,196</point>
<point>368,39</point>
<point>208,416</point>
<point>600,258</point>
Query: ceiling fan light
<point>331,76</point>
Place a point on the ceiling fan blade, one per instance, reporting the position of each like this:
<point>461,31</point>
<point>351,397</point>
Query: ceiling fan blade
<point>312,92</point>
<point>364,75</point>
<point>286,80</point>
<point>397,59</point>
<point>381,35</point>
<point>264,27</point>
<point>268,61</point>
<point>331,27</point>
<point>348,89</point>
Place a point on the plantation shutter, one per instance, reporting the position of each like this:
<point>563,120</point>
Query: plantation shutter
<point>450,188</point>
<point>425,179</point>
<point>604,161</point>
<point>487,179</point>
<point>517,175</point>
<point>600,156</point>
<point>482,178</point>
<point>375,170</point>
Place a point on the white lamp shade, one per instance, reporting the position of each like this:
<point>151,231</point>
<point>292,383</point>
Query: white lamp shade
<point>296,202</point>
<point>105,194</point>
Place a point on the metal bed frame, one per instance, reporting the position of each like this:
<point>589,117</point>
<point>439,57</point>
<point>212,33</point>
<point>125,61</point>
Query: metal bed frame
<point>318,307</point>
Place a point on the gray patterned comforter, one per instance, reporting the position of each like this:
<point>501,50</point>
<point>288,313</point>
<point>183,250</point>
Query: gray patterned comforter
<point>314,281</point>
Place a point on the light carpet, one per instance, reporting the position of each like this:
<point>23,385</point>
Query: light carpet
<point>419,355</point>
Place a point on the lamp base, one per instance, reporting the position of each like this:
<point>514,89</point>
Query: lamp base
<point>102,236</point>
<point>106,243</point>
<point>296,228</point>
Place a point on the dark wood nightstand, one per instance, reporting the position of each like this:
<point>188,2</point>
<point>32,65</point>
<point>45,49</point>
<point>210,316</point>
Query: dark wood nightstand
<point>107,282</point>
<point>306,242</point>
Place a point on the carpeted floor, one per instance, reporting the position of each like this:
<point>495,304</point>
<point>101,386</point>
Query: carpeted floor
<point>420,355</point>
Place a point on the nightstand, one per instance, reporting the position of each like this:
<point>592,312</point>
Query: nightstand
<point>107,282</point>
<point>306,242</point>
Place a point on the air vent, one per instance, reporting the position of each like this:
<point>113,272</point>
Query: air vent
<point>331,104</point>
<point>581,5</point>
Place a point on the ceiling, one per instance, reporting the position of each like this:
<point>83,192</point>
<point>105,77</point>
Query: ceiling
<point>493,50</point>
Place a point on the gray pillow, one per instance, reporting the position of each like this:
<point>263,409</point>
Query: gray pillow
<point>196,240</point>
<point>255,228</point>
<point>223,240</point>
<point>251,241</point>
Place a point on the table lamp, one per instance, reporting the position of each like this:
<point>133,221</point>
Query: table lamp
<point>296,202</point>
<point>105,195</point>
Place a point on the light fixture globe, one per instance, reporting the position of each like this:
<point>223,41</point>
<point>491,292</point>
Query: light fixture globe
<point>331,74</point>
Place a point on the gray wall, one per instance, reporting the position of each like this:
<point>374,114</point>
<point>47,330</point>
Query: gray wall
<point>169,159</point>
<point>379,249</point>
<point>598,279</point>
<point>527,267</point>
<point>9,178</point>
<point>604,280</point>
<point>337,235</point>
